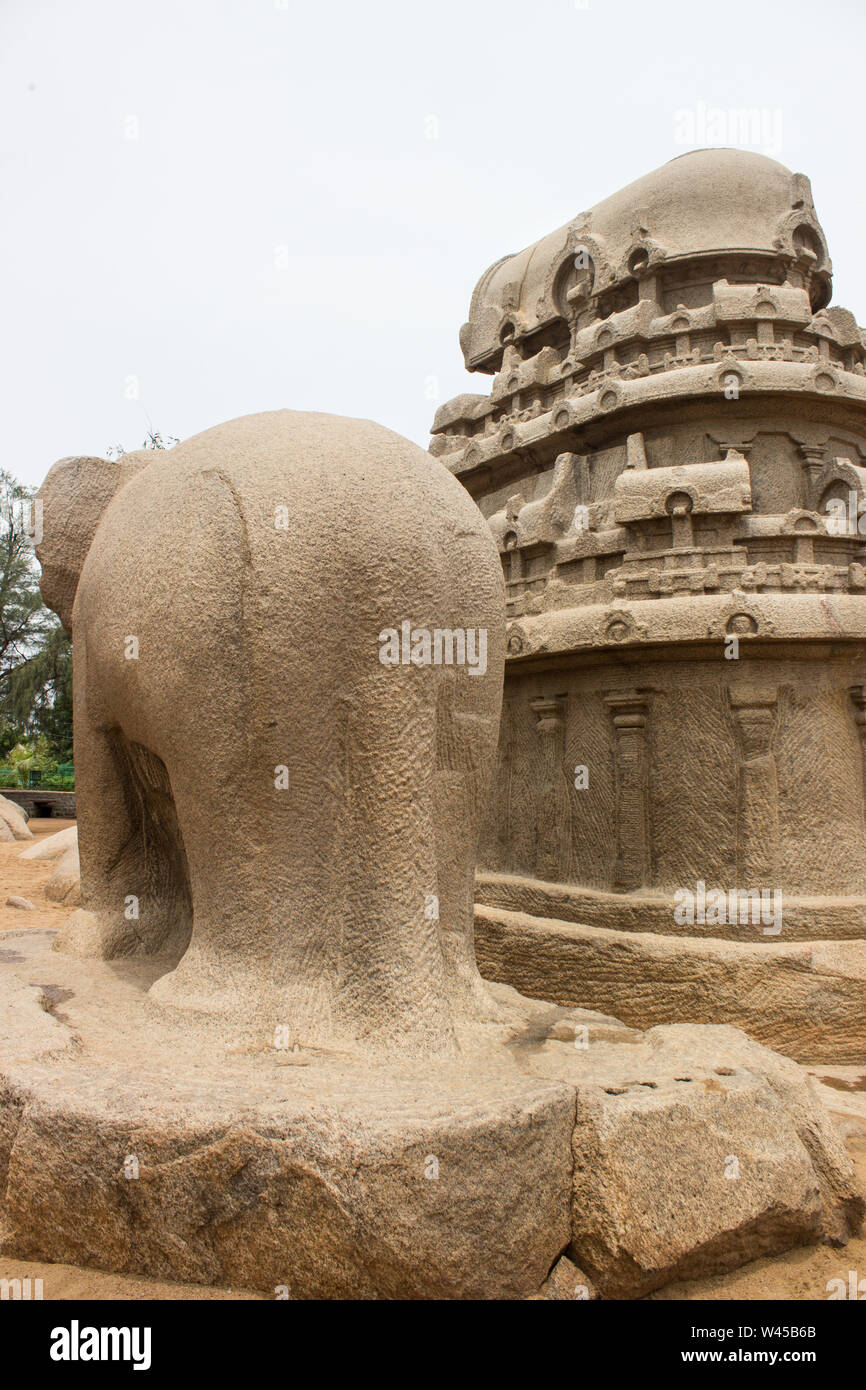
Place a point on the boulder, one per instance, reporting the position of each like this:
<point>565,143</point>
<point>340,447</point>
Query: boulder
<point>14,818</point>
<point>53,846</point>
<point>64,885</point>
<point>697,1150</point>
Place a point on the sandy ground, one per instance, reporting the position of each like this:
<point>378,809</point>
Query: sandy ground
<point>800,1274</point>
<point>26,878</point>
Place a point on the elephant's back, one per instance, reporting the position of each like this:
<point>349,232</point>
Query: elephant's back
<point>345,499</point>
<point>377,481</point>
<point>279,544</point>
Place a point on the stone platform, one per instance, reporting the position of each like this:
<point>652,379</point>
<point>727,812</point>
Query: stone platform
<point>806,999</point>
<point>559,1150</point>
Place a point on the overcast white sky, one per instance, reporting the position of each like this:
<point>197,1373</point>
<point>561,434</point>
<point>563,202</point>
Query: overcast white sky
<point>315,187</point>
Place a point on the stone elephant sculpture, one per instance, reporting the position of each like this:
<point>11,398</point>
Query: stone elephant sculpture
<point>267,801</point>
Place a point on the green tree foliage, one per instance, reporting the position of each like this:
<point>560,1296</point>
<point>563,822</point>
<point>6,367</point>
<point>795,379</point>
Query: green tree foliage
<point>35,651</point>
<point>41,693</point>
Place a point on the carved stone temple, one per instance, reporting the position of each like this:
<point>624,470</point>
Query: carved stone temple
<point>283,1071</point>
<point>672,460</point>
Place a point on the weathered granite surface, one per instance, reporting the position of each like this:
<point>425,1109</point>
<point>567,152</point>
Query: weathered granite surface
<point>672,462</point>
<point>135,1141</point>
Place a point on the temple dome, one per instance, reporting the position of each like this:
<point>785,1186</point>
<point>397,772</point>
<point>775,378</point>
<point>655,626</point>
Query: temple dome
<point>703,202</point>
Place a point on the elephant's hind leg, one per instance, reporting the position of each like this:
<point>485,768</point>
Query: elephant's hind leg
<point>318,918</point>
<point>134,883</point>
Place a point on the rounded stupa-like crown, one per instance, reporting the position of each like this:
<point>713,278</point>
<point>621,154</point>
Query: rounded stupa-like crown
<point>708,203</point>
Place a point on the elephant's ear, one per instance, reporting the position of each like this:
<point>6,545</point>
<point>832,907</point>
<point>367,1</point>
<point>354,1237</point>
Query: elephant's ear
<point>73,496</point>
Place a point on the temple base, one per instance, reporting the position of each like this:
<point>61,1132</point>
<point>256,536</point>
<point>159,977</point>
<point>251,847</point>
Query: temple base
<point>804,998</point>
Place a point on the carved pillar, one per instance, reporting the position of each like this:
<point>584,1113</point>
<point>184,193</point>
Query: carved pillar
<point>682,529</point>
<point>552,815</point>
<point>754,714</point>
<point>858,698</point>
<point>649,288</point>
<point>804,548</point>
<point>629,710</point>
<point>813,466</point>
<point>765,332</point>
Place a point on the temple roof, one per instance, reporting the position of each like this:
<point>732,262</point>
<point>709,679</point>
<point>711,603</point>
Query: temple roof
<point>703,202</point>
